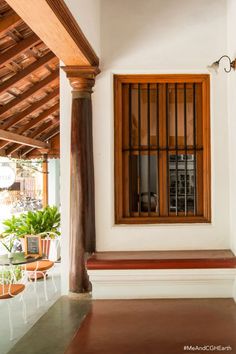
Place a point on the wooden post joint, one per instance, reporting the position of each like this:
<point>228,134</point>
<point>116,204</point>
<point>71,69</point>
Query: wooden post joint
<point>82,79</point>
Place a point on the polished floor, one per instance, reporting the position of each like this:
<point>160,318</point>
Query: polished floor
<point>34,312</point>
<point>54,331</point>
<point>168,326</point>
<point>157,327</point>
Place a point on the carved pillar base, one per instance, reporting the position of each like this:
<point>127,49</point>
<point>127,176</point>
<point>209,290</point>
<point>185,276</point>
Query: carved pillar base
<point>82,205</point>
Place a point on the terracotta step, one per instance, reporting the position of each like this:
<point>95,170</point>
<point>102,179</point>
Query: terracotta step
<point>200,259</point>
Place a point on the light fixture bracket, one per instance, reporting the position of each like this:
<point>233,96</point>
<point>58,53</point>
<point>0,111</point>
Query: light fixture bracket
<point>232,64</point>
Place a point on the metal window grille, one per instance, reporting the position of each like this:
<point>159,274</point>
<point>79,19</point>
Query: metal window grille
<point>162,144</point>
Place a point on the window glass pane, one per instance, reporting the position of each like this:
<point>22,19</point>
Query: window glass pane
<point>144,184</point>
<point>134,113</point>
<point>190,112</point>
<point>182,174</point>
<point>171,113</point>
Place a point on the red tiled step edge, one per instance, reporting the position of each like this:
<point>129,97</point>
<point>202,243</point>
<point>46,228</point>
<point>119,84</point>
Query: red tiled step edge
<point>162,260</point>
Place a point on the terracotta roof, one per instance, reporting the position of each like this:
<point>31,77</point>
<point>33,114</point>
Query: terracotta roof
<point>29,87</point>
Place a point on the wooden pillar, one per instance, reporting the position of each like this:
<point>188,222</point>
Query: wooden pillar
<point>45,181</point>
<point>82,207</point>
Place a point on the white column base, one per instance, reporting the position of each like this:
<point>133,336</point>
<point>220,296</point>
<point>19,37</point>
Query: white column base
<point>166,283</point>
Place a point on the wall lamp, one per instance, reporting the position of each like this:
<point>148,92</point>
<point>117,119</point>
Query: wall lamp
<point>216,64</point>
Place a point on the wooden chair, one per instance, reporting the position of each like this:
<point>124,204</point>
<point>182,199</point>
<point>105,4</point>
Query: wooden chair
<point>9,289</point>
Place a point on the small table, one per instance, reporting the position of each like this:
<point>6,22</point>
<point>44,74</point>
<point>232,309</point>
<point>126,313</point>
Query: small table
<point>18,259</point>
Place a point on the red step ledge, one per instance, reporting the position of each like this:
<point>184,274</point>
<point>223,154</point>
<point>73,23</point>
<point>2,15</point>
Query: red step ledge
<point>200,259</point>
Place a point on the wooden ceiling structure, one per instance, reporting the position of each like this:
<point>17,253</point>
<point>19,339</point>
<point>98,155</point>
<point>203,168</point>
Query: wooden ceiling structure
<point>59,30</point>
<point>29,91</point>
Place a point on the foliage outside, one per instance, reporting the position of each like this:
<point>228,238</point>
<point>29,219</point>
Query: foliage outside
<point>45,222</point>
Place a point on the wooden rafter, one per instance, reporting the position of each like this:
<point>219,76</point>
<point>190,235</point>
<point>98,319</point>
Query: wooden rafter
<point>31,109</point>
<point>29,70</point>
<point>38,119</point>
<point>47,136</point>
<point>58,30</point>
<point>52,133</point>
<point>35,88</point>
<point>22,46</point>
<point>20,139</point>
<point>34,122</point>
<point>9,22</point>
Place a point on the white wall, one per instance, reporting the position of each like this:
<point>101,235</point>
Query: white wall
<point>87,14</point>
<point>155,36</point>
<point>161,36</point>
<point>232,118</point>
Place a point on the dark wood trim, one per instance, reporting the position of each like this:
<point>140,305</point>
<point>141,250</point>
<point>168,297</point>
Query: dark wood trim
<point>29,70</point>
<point>35,88</point>
<point>21,47</point>
<point>21,139</point>
<point>82,78</point>
<point>9,22</point>
<point>162,220</point>
<point>207,151</point>
<point>204,80</point>
<point>31,109</point>
<point>161,78</point>
<point>69,23</point>
<point>82,202</point>
<point>203,259</point>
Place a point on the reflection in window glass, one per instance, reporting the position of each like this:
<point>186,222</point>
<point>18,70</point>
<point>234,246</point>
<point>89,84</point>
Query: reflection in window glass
<point>182,183</point>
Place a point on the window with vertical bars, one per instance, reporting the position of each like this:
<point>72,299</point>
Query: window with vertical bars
<point>162,148</point>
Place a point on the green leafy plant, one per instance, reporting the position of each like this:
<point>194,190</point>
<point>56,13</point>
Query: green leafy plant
<point>45,222</point>
<point>8,241</point>
<point>11,276</point>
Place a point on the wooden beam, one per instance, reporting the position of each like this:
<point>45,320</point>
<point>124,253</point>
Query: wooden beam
<point>35,88</point>
<point>68,21</point>
<point>54,150</point>
<point>31,109</point>
<point>29,70</point>
<point>46,137</point>
<point>9,22</point>
<point>20,139</point>
<point>19,48</point>
<point>34,121</point>
<point>58,30</point>
<point>34,134</point>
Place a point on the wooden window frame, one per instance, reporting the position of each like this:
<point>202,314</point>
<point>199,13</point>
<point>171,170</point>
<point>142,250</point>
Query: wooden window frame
<point>204,80</point>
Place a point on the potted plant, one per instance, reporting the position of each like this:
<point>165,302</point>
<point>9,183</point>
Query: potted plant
<point>44,222</point>
<point>11,276</point>
<point>8,242</point>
